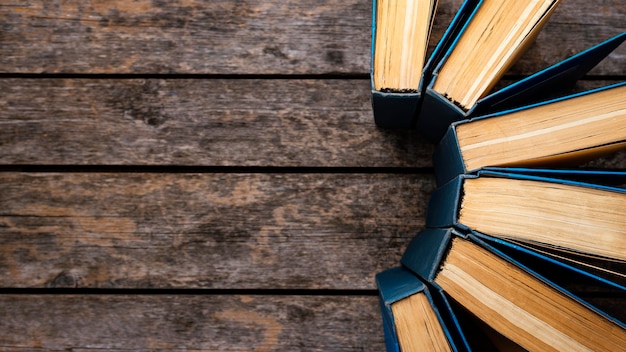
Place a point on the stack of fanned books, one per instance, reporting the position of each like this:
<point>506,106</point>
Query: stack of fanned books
<point>514,220</point>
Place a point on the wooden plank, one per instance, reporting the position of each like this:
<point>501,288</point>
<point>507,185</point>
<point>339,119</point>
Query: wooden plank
<point>190,36</point>
<point>198,122</point>
<point>236,231</point>
<point>190,323</point>
<point>288,123</point>
<point>249,36</point>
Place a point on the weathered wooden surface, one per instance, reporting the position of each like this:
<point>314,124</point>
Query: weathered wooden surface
<point>230,231</point>
<point>198,122</point>
<point>190,323</point>
<point>248,36</point>
<point>193,322</point>
<point>294,199</point>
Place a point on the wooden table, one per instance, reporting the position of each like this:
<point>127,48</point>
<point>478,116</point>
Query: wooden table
<point>206,175</point>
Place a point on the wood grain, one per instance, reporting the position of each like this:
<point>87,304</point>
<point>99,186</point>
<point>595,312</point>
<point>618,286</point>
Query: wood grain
<point>235,231</point>
<point>206,101</point>
<point>186,36</point>
<point>247,122</point>
<point>190,323</point>
<point>249,36</point>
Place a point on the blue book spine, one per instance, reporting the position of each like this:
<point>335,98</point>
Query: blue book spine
<point>398,283</point>
<point>447,158</point>
<point>439,240</point>
<point>444,202</point>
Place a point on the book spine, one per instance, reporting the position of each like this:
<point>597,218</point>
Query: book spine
<point>393,285</point>
<point>436,114</point>
<point>444,204</point>
<point>396,283</point>
<point>395,110</point>
<point>447,158</point>
<point>426,251</point>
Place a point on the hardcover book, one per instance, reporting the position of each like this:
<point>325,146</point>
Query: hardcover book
<point>399,63</point>
<point>516,301</point>
<point>438,112</point>
<point>493,36</point>
<point>412,321</point>
<point>555,213</point>
<point>561,132</point>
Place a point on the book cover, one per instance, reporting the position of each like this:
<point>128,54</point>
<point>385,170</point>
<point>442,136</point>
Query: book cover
<point>451,157</point>
<point>397,284</point>
<point>438,112</point>
<point>548,209</point>
<point>432,251</point>
<point>399,110</point>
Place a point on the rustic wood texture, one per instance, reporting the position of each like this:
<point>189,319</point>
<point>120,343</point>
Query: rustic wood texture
<point>206,175</point>
<point>189,323</point>
<point>199,122</point>
<point>229,231</point>
<point>264,122</point>
<point>247,36</point>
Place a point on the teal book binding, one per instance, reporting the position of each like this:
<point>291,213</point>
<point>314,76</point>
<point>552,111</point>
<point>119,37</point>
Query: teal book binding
<point>585,237</point>
<point>448,158</point>
<point>438,112</point>
<point>398,283</point>
<point>445,202</point>
<point>427,252</point>
<point>399,110</point>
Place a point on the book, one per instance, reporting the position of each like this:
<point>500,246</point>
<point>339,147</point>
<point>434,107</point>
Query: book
<point>402,29</point>
<point>503,29</point>
<point>439,109</point>
<point>570,216</point>
<point>417,317</point>
<point>399,63</point>
<point>511,298</point>
<point>565,131</point>
<point>411,319</point>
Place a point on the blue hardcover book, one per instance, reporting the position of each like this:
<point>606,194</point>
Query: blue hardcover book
<point>398,108</point>
<point>520,302</point>
<point>560,213</point>
<point>396,287</point>
<point>561,132</point>
<point>439,110</point>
